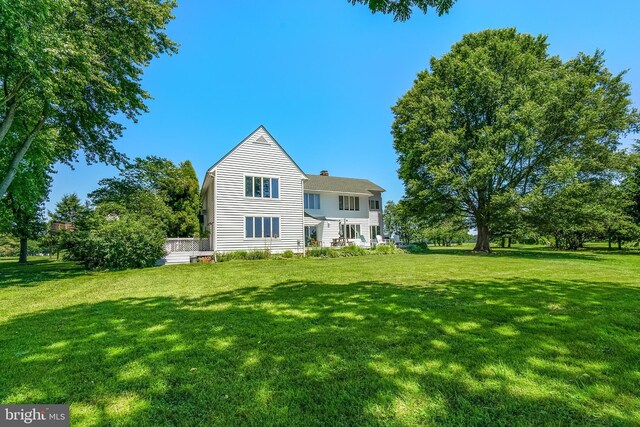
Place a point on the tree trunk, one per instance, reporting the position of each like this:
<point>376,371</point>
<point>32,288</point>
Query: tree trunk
<point>619,243</point>
<point>8,120</point>
<point>509,242</point>
<point>609,242</point>
<point>13,167</point>
<point>482,244</point>
<point>502,242</point>
<point>23,250</point>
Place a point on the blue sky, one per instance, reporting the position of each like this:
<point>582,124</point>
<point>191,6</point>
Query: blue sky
<point>322,76</point>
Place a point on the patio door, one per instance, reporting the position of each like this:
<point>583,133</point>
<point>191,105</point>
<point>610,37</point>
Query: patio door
<point>311,235</point>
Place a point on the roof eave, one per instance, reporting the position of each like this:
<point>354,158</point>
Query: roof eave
<point>339,191</point>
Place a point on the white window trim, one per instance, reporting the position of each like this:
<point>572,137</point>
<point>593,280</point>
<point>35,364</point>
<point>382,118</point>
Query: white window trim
<point>260,239</point>
<point>314,194</point>
<point>378,229</point>
<point>354,203</point>
<point>254,175</point>
<point>357,230</point>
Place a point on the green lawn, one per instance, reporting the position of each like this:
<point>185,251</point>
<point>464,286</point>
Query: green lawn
<point>519,337</point>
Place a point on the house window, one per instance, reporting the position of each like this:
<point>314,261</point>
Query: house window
<point>248,227</point>
<point>266,187</point>
<point>311,201</point>
<point>352,231</point>
<point>311,235</point>
<point>375,231</point>
<point>374,204</point>
<point>257,227</point>
<point>263,187</point>
<point>349,203</point>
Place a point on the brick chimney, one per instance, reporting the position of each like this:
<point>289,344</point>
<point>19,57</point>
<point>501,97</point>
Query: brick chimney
<point>324,173</point>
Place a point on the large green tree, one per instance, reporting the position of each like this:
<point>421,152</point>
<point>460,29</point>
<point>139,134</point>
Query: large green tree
<point>69,209</point>
<point>399,221</point>
<point>402,9</point>
<point>157,188</point>
<point>489,118</point>
<point>68,68</point>
<point>632,186</point>
<point>183,197</point>
<point>22,208</point>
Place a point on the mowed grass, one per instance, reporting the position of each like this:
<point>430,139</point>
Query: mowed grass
<point>519,337</point>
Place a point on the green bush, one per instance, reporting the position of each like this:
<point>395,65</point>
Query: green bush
<point>353,250</point>
<point>288,254</point>
<point>243,255</point>
<point>116,245</point>
<point>259,254</point>
<point>323,253</point>
<point>418,248</point>
<point>384,249</point>
<point>230,256</point>
<point>316,252</point>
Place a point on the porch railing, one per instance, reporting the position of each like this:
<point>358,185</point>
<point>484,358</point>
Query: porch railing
<point>186,244</point>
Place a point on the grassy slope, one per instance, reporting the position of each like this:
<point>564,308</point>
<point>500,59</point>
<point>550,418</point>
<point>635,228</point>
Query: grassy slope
<point>522,337</point>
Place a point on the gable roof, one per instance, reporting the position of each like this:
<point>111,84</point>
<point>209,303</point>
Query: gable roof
<point>260,139</point>
<point>340,185</point>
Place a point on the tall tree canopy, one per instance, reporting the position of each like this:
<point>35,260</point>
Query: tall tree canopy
<point>633,186</point>
<point>67,68</point>
<point>402,9</point>
<point>69,209</point>
<point>399,221</point>
<point>483,125</point>
<point>155,187</point>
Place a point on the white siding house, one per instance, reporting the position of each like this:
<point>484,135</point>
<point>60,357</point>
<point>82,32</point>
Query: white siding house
<point>254,198</point>
<point>336,207</point>
<point>269,214</point>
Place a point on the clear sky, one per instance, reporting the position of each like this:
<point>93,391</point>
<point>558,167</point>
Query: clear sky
<point>322,76</point>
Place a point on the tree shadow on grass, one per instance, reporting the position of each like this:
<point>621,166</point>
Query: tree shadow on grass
<point>615,251</point>
<point>535,253</point>
<point>509,352</point>
<point>37,271</point>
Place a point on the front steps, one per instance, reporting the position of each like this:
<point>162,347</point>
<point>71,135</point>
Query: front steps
<point>174,258</point>
<point>177,258</point>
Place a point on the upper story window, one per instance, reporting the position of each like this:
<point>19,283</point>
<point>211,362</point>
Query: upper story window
<point>311,201</point>
<point>374,204</point>
<point>257,186</point>
<point>349,203</point>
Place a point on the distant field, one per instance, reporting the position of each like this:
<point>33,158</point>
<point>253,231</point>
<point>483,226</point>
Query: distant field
<point>527,336</point>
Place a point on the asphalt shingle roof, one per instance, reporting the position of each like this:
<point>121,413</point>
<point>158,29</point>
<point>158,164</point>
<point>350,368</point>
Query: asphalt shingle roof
<point>338,184</point>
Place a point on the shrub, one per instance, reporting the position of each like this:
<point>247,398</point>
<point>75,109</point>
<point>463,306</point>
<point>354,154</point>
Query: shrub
<point>384,249</point>
<point>243,255</point>
<point>419,248</point>
<point>230,256</point>
<point>116,245</point>
<point>323,253</point>
<point>288,254</point>
<point>353,250</point>
<point>259,254</point>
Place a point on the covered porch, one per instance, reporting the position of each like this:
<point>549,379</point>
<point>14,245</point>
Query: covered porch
<point>321,231</point>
